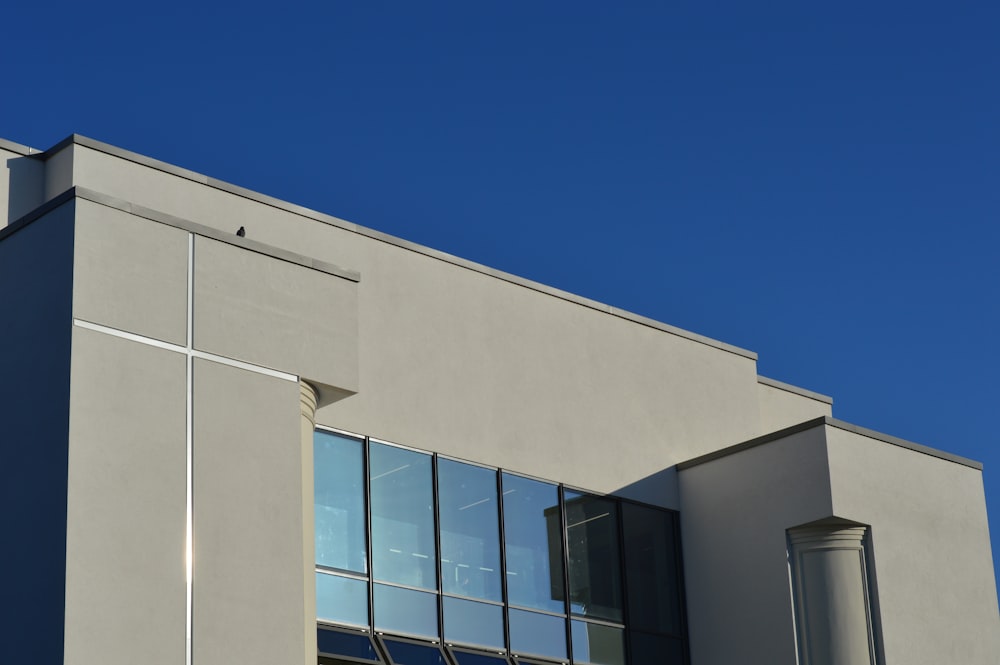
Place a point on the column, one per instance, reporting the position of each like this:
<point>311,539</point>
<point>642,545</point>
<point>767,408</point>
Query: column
<point>831,595</point>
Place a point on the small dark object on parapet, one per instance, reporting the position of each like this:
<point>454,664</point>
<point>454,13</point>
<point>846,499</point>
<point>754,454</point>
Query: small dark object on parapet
<point>242,232</point>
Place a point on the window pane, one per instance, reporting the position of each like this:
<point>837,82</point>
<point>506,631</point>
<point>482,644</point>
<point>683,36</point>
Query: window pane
<point>470,530</point>
<point>406,611</point>
<point>537,634</point>
<point>338,463</point>
<point>402,517</point>
<point>336,643</point>
<point>601,645</point>
<point>406,653</point>
<point>466,658</point>
<point>469,622</point>
<point>341,599</point>
<point>533,542</point>
<point>595,586</point>
<point>656,649</point>
<point>651,570</point>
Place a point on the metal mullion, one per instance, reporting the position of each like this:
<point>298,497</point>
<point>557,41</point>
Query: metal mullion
<point>368,534</point>
<point>622,567</point>
<point>568,622</point>
<point>340,432</point>
<point>471,599</point>
<point>437,545</point>
<point>503,564</point>
<point>535,610</point>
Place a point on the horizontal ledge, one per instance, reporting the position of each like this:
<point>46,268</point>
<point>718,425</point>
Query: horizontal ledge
<point>787,387</point>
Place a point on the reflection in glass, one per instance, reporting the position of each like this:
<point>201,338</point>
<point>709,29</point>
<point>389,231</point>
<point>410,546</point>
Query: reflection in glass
<point>656,649</point>
<point>337,643</point>
<point>341,599</point>
<point>338,463</point>
<point>467,658</point>
<point>469,622</point>
<point>406,611</point>
<point>595,586</point>
<point>537,634</point>
<point>470,530</point>
<point>600,645</point>
<point>654,599</point>
<point>402,517</point>
<point>533,541</point>
<point>407,653</point>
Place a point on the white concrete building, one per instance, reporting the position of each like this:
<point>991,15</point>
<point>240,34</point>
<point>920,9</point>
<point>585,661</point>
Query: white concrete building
<point>316,441</point>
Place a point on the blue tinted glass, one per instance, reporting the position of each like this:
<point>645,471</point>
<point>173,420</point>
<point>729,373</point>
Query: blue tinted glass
<point>595,580</point>
<point>537,634</point>
<point>341,599</point>
<point>656,648</point>
<point>335,643</point>
<point>470,530</point>
<point>533,542</point>
<point>466,658</point>
<point>406,611</point>
<point>601,645</point>
<point>402,505</point>
<point>338,464</point>
<point>469,622</point>
<point>651,573</point>
<point>406,653</point>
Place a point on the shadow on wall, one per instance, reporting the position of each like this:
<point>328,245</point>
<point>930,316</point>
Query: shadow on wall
<point>660,489</point>
<point>26,186</point>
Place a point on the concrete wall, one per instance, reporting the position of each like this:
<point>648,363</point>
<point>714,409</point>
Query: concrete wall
<point>459,361</point>
<point>931,548</point>
<point>782,405</point>
<point>35,274</point>
<point>21,183</point>
<point>734,514</point>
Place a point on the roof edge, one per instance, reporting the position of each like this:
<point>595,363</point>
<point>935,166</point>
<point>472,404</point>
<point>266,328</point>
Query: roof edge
<point>827,421</point>
<point>787,387</point>
<point>11,146</point>
<point>230,188</point>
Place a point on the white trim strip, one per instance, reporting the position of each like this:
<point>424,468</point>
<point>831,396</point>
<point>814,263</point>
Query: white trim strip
<point>222,360</point>
<point>189,500</point>
<point>129,336</point>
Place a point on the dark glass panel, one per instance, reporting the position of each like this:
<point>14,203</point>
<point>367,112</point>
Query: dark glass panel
<point>406,611</point>
<point>533,542</point>
<point>656,649</point>
<point>597,644</point>
<point>537,634</point>
<point>402,508</point>
<point>469,622</point>
<point>407,653</point>
<point>470,530</point>
<point>336,643</point>
<point>341,599</point>
<point>339,492</point>
<point>595,586</point>
<point>651,569</point>
<point>467,658</point>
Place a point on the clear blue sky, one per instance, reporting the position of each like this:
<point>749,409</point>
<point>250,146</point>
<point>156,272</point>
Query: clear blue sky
<point>817,182</point>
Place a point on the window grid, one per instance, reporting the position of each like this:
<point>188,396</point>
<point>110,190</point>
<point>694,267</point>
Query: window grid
<point>508,654</point>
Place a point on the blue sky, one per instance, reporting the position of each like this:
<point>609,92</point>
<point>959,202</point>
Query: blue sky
<point>816,183</point>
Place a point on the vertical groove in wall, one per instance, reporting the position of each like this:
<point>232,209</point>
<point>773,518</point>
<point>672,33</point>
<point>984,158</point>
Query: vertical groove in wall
<point>189,510</point>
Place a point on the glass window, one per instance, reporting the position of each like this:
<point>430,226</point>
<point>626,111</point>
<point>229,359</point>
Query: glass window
<point>402,500</point>
<point>595,586</point>
<point>537,634</point>
<point>341,599</point>
<point>469,622</point>
<point>654,598</point>
<point>469,658</point>
<point>533,542</point>
<point>339,502</point>
<point>337,643</point>
<point>597,644</point>
<point>656,649</point>
<point>407,653</point>
<point>470,530</point>
<point>406,611</point>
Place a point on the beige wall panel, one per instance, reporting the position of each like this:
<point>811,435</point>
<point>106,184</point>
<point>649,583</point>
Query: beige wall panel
<point>59,172</point>
<point>248,534</point>
<point>21,185</point>
<point>125,573</point>
<point>781,408</point>
<point>453,360</point>
<point>276,314</point>
<point>734,514</point>
<point>931,546</point>
<point>130,273</point>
